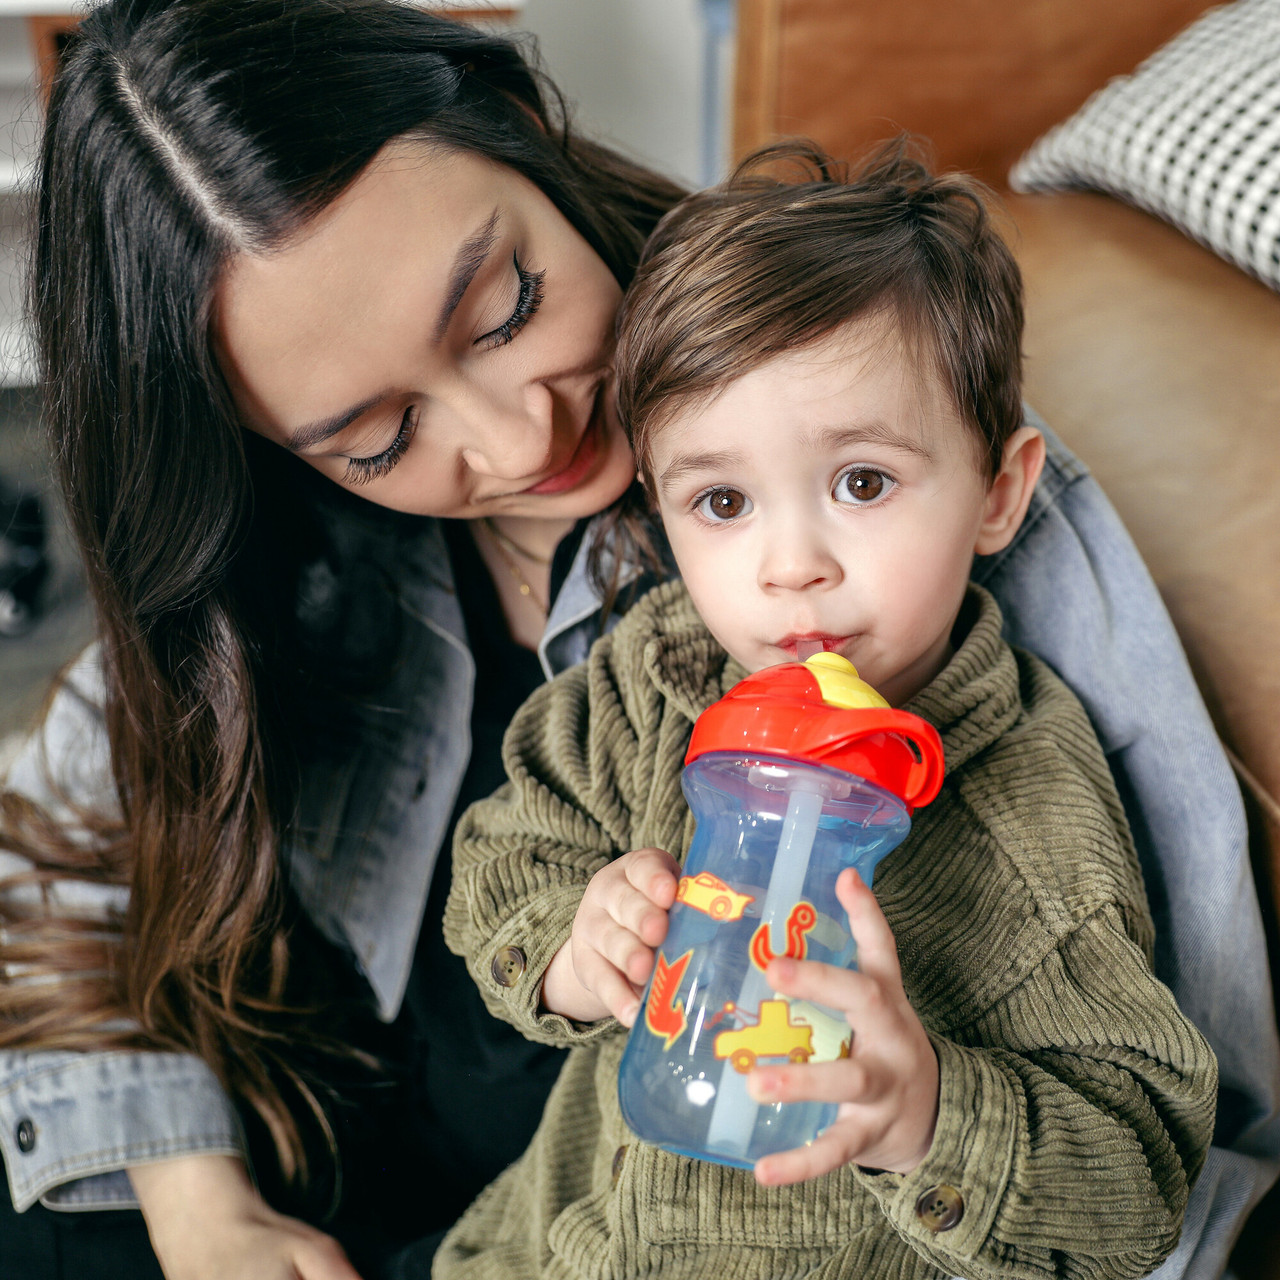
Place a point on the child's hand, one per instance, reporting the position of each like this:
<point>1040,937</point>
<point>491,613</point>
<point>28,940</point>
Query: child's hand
<point>887,1088</point>
<point>622,917</point>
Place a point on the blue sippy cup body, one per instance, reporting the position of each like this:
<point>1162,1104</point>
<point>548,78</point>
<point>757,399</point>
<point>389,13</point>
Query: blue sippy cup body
<point>759,881</point>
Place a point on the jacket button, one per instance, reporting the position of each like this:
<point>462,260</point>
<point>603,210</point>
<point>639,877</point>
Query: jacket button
<point>26,1135</point>
<point>507,965</point>
<point>940,1208</point>
<point>615,1170</point>
<point>419,787</point>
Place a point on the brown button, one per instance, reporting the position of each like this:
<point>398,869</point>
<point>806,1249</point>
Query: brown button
<point>940,1208</point>
<point>507,965</point>
<point>615,1170</point>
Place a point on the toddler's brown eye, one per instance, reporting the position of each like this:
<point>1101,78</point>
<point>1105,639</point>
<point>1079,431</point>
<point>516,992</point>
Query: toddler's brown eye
<point>863,484</point>
<point>724,504</point>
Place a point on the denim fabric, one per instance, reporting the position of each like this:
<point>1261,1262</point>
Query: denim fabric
<point>1075,591</point>
<point>1072,588</point>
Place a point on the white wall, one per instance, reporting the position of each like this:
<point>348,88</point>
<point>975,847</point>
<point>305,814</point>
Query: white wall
<point>633,68</point>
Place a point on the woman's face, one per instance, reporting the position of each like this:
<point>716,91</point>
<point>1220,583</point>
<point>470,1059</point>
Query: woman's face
<point>437,340</point>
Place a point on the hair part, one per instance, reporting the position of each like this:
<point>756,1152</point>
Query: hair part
<point>762,265</point>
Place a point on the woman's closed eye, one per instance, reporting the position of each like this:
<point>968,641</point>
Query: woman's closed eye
<point>722,504</point>
<point>861,486</point>
<point>528,300</point>
<point>362,470</point>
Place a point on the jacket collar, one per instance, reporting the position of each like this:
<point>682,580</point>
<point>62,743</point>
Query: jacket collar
<point>971,702</point>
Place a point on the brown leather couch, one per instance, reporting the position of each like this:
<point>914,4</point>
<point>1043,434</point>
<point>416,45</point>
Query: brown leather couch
<point>1155,360</point>
<point>1159,364</point>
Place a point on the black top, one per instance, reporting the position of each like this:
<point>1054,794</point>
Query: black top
<point>478,1084</point>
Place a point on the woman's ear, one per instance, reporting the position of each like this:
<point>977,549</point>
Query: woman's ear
<point>1011,490</point>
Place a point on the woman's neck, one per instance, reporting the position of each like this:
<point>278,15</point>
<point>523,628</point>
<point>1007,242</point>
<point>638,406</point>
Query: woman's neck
<point>517,551</point>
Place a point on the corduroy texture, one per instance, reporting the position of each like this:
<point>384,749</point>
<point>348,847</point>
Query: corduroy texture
<point>1076,1102</point>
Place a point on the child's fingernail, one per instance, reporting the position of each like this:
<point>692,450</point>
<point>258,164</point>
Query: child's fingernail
<point>762,1087</point>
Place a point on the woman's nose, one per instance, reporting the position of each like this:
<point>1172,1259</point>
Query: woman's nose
<point>798,558</point>
<point>508,437</point>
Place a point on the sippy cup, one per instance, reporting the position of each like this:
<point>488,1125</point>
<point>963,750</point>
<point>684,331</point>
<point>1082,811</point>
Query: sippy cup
<point>799,771</point>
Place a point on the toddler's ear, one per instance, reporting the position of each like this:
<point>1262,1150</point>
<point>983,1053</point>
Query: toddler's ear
<point>1011,490</point>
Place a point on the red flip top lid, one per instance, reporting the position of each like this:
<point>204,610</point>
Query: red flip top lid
<point>782,711</point>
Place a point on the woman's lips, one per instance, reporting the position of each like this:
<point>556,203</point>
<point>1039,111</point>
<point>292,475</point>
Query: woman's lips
<point>579,465</point>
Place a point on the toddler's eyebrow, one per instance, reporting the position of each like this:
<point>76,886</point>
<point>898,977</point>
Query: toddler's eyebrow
<point>686,463</point>
<point>872,432</point>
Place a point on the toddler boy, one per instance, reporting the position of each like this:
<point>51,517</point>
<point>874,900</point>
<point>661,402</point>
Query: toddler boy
<point>822,384</point>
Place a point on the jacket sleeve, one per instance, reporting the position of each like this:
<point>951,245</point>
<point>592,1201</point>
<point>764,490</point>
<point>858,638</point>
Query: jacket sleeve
<point>1073,1117</point>
<point>70,1123</point>
<point>578,755</point>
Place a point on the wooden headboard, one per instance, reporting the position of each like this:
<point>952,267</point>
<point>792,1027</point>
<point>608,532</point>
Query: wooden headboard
<point>981,78</point>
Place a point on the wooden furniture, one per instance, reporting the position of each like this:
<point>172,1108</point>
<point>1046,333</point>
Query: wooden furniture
<point>979,78</point>
<point>1154,359</point>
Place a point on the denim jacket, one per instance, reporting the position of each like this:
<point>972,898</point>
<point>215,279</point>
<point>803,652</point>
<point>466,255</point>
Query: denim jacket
<point>1073,590</point>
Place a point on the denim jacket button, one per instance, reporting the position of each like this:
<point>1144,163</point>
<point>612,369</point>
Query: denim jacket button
<point>26,1135</point>
<point>940,1208</point>
<point>507,965</point>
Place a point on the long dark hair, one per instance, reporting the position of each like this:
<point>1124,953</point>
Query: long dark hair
<point>179,134</point>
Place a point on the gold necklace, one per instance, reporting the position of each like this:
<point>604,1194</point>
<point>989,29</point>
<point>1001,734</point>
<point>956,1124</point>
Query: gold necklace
<point>511,544</point>
<point>526,588</point>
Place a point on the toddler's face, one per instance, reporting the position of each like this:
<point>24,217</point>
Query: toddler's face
<point>832,494</point>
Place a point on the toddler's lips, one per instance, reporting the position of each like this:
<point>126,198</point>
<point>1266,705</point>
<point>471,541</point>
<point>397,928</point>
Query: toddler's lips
<point>791,644</point>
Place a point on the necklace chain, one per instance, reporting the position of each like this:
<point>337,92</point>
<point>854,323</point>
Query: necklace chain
<point>512,545</point>
<point>500,541</point>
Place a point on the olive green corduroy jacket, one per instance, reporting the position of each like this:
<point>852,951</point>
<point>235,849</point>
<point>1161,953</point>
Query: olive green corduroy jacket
<point>1076,1101</point>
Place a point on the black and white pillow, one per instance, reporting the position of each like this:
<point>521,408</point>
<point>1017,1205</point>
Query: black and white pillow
<point>1193,135</point>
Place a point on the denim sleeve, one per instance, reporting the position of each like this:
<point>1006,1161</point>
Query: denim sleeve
<point>70,1123</point>
<point>1074,591</point>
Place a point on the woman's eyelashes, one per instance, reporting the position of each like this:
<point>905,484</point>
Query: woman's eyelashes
<point>862,486</point>
<point>528,300</point>
<point>362,470</point>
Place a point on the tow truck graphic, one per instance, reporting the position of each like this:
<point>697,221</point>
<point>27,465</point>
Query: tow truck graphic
<point>774,1035</point>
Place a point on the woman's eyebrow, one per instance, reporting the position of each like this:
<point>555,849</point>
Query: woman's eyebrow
<point>467,261</point>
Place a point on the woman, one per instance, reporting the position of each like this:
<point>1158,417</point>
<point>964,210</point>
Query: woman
<point>311,276</point>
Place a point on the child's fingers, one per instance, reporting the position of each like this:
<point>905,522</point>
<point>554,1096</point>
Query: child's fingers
<point>845,1080</point>
<point>830,1150</point>
<point>619,946</point>
<point>623,894</point>
<point>859,996</point>
<point>877,949</point>
<point>608,984</point>
<point>656,874</point>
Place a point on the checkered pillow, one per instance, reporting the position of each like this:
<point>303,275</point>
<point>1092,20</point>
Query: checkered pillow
<point>1193,136</point>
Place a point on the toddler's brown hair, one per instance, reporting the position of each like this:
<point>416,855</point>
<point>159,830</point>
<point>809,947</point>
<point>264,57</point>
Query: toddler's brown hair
<point>759,266</point>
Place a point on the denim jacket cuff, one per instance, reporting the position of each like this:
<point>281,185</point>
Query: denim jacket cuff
<point>70,1123</point>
